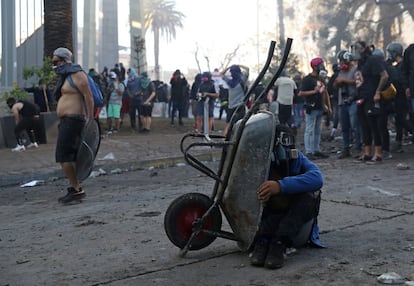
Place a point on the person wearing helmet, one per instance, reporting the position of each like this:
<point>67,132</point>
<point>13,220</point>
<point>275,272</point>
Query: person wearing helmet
<point>313,90</point>
<point>345,85</point>
<point>401,103</point>
<point>371,78</point>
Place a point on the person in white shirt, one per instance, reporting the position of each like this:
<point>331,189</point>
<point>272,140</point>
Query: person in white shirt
<point>285,89</point>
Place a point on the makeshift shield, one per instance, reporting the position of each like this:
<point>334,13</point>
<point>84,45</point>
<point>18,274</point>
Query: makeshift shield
<point>89,146</point>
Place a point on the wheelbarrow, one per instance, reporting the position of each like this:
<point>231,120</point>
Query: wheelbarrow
<point>194,220</point>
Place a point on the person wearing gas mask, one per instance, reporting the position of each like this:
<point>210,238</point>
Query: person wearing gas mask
<point>345,85</point>
<point>75,108</point>
<point>291,199</point>
<point>371,78</point>
<point>313,88</point>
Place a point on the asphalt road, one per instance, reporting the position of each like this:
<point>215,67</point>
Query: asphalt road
<point>116,235</point>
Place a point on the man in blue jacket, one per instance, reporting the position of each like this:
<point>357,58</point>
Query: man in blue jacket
<point>291,199</point>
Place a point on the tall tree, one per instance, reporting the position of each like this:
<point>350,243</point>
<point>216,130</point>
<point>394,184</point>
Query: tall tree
<point>339,23</point>
<point>280,12</point>
<point>163,20</point>
<point>57,26</point>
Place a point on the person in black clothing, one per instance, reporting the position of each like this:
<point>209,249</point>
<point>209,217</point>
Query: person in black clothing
<point>42,96</point>
<point>27,118</point>
<point>178,85</point>
<point>401,103</point>
<point>408,72</point>
<point>193,97</point>
<point>371,78</point>
<point>224,100</point>
<point>333,94</point>
<point>122,71</point>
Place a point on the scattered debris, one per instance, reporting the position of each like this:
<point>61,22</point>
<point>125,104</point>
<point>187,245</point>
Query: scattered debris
<point>98,173</point>
<point>402,166</point>
<point>109,156</point>
<point>32,183</point>
<point>390,278</point>
<point>116,171</point>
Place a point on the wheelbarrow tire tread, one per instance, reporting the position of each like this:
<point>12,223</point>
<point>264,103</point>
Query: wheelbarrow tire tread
<point>181,214</point>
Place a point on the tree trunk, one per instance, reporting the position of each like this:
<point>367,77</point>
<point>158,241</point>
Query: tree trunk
<point>385,26</point>
<point>156,53</point>
<point>58,26</point>
<point>280,9</point>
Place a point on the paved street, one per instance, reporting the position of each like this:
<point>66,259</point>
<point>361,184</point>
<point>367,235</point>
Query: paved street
<point>116,235</point>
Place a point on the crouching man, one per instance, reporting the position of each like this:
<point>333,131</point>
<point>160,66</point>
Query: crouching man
<point>291,200</point>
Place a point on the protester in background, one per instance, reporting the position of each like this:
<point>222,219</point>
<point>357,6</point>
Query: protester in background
<point>344,84</point>
<point>27,118</point>
<point>193,97</point>
<point>207,91</point>
<point>148,97</point>
<point>298,103</point>
<point>333,96</point>
<point>42,96</point>
<point>371,78</point>
<point>408,73</point>
<point>313,89</point>
<point>224,99</point>
<point>135,94</point>
<point>285,89</point>
<point>237,86</point>
<point>178,88</point>
<point>114,103</point>
<point>122,72</point>
<point>401,102</point>
<point>126,103</point>
<point>75,109</point>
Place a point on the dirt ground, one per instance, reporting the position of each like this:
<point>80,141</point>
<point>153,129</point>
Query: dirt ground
<point>116,235</point>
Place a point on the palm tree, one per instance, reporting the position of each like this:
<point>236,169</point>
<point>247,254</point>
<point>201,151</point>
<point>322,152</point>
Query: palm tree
<point>163,19</point>
<point>57,26</point>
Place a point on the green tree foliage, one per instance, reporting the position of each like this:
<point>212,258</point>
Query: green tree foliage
<point>163,20</point>
<point>44,73</point>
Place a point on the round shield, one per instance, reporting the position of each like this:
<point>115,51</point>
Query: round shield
<point>88,149</point>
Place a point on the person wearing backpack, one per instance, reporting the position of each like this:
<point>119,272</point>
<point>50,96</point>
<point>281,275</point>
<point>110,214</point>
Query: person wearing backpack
<point>75,108</point>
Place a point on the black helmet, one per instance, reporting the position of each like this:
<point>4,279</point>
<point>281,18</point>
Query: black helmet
<point>394,50</point>
<point>378,53</point>
<point>344,56</point>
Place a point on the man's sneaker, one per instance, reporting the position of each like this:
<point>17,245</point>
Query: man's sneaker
<point>275,256</point>
<point>319,154</point>
<point>32,145</point>
<point>374,160</point>
<point>259,253</point>
<point>19,148</point>
<point>72,195</point>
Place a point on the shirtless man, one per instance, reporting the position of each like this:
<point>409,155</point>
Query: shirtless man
<point>74,110</point>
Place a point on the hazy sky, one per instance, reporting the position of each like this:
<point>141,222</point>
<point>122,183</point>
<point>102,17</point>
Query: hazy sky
<point>216,27</point>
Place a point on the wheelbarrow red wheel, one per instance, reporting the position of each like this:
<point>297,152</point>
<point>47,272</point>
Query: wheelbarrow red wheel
<point>179,218</point>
